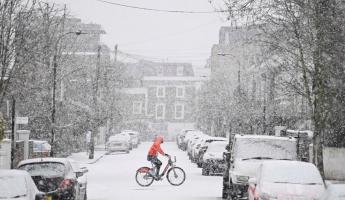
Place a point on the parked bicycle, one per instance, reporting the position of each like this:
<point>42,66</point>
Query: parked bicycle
<point>175,175</point>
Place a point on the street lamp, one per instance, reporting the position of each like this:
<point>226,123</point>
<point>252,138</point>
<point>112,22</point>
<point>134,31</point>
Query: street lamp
<point>55,66</point>
<point>227,155</point>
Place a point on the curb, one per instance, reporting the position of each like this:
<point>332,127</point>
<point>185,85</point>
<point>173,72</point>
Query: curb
<point>93,162</point>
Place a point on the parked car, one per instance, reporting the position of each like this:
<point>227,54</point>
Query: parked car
<point>18,184</point>
<point>334,192</point>
<point>127,137</point>
<point>118,143</point>
<point>134,137</point>
<point>190,137</point>
<point>198,135</point>
<point>203,147</point>
<point>249,151</point>
<point>180,138</point>
<point>293,180</point>
<point>57,177</point>
<point>214,162</point>
<point>196,147</point>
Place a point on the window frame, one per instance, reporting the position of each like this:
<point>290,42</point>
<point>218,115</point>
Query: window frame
<point>182,110</point>
<point>179,70</point>
<point>163,111</point>
<point>157,92</point>
<point>141,107</point>
<point>183,91</point>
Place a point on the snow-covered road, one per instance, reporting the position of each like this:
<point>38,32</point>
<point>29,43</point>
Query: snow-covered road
<point>112,178</point>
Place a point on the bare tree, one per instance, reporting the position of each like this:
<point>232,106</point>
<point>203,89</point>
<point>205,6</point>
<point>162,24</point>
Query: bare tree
<point>16,39</point>
<point>305,36</point>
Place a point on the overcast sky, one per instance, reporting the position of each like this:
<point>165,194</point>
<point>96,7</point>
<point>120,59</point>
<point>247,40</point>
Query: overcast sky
<point>167,36</point>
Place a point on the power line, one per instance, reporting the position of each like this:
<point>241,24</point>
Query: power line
<point>162,10</point>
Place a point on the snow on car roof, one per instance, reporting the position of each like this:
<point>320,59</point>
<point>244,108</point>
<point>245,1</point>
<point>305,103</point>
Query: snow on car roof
<point>15,172</point>
<point>42,160</point>
<point>39,141</point>
<point>118,137</point>
<point>268,137</point>
<point>217,138</point>
<point>281,170</point>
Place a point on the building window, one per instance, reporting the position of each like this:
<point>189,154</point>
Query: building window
<point>179,71</point>
<point>160,71</point>
<point>179,111</point>
<point>180,92</point>
<point>137,107</point>
<point>160,92</point>
<point>160,111</point>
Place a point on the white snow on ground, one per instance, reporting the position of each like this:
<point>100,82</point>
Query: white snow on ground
<point>113,177</point>
<point>83,157</point>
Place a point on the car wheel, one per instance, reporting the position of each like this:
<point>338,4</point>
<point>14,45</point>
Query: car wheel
<point>232,193</point>
<point>127,151</point>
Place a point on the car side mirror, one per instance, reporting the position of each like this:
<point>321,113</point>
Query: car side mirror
<point>79,174</point>
<point>252,182</point>
<point>40,196</point>
<point>227,147</point>
<point>84,170</point>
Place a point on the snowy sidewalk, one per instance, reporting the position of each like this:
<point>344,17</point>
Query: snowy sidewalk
<point>83,157</point>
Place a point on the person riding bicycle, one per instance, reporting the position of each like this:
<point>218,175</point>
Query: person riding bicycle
<point>153,153</point>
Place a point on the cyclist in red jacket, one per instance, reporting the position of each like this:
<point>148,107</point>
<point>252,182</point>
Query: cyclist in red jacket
<point>153,153</point>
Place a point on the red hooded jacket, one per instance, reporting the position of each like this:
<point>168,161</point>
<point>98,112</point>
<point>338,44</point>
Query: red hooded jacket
<point>156,147</point>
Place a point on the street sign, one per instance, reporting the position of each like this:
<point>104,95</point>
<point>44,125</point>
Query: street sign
<point>22,120</point>
<point>88,136</point>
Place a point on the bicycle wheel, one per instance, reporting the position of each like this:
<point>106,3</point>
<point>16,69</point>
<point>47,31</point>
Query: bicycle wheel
<point>176,176</point>
<point>143,177</point>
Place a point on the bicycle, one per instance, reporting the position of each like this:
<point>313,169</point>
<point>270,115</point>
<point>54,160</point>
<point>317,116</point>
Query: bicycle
<point>175,175</point>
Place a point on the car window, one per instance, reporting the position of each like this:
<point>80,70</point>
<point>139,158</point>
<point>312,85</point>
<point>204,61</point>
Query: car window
<point>12,186</point>
<point>47,169</point>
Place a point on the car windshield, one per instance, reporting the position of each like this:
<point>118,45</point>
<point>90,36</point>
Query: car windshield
<point>217,147</point>
<point>12,187</point>
<point>47,169</point>
<point>248,148</point>
<point>306,174</point>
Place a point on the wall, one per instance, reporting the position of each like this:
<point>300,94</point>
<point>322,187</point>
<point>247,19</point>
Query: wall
<point>5,154</point>
<point>334,162</point>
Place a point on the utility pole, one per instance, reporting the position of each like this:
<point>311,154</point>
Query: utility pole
<point>95,120</point>
<point>226,176</point>
<point>13,132</point>
<point>115,51</point>
<point>55,66</point>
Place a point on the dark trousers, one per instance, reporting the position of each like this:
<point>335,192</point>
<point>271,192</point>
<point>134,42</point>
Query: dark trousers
<point>156,162</point>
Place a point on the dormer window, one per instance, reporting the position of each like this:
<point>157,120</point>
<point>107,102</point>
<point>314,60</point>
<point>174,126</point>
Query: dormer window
<point>179,71</point>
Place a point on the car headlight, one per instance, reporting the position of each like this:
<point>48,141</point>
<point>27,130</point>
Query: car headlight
<point>242,178</point>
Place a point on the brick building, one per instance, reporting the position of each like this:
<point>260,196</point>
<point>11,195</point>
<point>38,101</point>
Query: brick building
<point>163,95</point>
